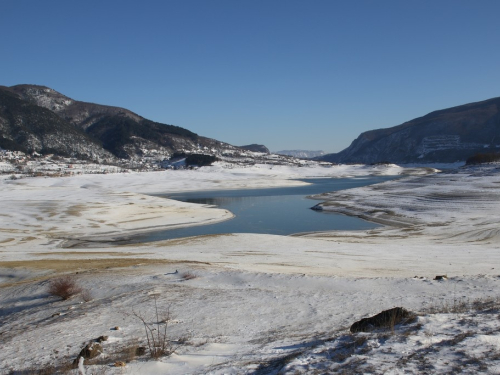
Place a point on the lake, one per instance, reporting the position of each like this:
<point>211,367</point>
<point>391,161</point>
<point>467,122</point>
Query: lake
<point>281,211</point>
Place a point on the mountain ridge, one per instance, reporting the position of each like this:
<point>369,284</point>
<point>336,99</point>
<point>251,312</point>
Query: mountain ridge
<point>446,135</point>
<point>304,154</point>
<point>88,130</point>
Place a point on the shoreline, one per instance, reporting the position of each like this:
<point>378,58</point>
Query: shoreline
<point>242,299</point>
<point>114,240</point>
<point>133,237</point>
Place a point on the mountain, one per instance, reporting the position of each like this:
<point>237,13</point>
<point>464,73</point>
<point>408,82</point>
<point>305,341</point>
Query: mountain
<point>447,135</point>
<point>38,118</point>
<point>27,127</point>
<point>256,148</point>
<point>302,154</point>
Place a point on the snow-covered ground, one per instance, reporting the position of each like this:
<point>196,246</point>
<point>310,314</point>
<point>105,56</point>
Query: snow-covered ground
<point>253,303</point>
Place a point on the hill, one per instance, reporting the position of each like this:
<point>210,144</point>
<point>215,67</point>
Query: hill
<point>39,119</point>
<point>27,127</point>
<point>447,135</point>
<point>256,148</point>
<point>303,154</point>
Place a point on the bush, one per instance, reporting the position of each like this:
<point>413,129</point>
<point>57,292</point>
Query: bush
<point>188,276</point>
<point>178,154</point>
<point>64,287</point>
<point>488,157</point>
<point>200,159</point>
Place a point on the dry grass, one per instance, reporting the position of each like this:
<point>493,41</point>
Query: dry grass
<point>464,305</point>
<point>71,265</point>
<point>86,295</point>
<point>127,353</point>
<point>88,253</point>
<point>64,266</point>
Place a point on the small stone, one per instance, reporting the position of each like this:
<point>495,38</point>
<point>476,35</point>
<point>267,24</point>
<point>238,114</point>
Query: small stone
<point>102,338</point>
<point>120,364</point>
<point>116,328</point>
<point>441,277</point>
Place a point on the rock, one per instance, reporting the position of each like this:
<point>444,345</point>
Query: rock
<point>441,277</point>
<point>90,351</point>
<point>115,328</point>
<point>102,338</point>
<point>385,319</point>
<point>141,350</point>
<point>120,364</point>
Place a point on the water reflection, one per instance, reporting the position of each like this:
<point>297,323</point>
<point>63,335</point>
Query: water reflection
<point>280,211</point>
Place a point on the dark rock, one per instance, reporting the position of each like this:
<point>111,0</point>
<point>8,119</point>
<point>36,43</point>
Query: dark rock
<point>385,319</point>
<point>441,277</point>
<point>141,350</point>
<point>102,338</point>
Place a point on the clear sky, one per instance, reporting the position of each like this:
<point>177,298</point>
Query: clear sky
<point>288,74</point>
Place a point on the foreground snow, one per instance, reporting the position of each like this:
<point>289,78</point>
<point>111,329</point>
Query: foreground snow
<point>248,303</point>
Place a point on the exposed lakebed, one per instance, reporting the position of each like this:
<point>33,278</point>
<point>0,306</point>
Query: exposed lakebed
<point>281,211</point>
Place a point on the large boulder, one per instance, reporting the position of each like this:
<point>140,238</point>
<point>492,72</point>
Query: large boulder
<point>385,319</point>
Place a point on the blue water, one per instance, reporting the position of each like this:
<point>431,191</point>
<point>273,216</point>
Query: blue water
<point>282,211</point>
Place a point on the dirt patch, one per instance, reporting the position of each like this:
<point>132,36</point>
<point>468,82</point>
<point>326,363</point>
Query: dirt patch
<point>75,210</point>
<point>70,265</point>
<point>249,253</point>
<point>64,266</point>
<point>142,219</point>
<point>187,240</point>
<point>86,253</point>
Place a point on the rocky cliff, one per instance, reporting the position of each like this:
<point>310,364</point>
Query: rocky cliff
<point>448,135</point>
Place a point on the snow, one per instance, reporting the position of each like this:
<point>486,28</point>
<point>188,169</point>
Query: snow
<point>257,303</point>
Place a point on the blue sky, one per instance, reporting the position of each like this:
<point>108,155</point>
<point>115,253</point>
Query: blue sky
<point>287,74</point>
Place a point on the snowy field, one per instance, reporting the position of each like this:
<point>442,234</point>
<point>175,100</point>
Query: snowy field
<point>252,303</point>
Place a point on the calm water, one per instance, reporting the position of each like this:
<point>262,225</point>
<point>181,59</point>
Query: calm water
<point>280,211</point>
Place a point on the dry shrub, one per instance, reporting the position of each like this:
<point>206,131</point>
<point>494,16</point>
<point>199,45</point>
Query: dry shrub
<point>64,287</point>
<point>86,295</point>
<point>188,276</point>
<point>158,342</point>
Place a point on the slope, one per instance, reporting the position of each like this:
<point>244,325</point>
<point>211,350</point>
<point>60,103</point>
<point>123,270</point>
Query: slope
<point>30,128</point>
<point>121,132</point>
<point>448,135</point>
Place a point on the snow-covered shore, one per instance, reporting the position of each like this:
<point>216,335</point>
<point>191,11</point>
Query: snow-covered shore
<point>257,303</point>
<point>108,206</point>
